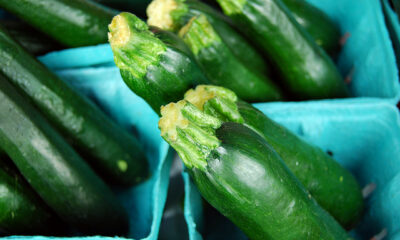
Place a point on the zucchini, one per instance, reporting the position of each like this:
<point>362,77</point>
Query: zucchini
<point>22,212</point>
<point>54,170</point>
<point>172,15</point>
<point>73,23</point>
<point>33,41</point>
<point>323,30</point>
<point>111,151</point>
<point>240,175</point>
<point>222,67</point>
<point>332,186</point>
<point>159,72</point>
<point>306,70</point>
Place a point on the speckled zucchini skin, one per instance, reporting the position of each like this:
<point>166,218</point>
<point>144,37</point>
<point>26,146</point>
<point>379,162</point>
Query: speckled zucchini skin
<point>332,186</point>
<point>115,154</point>
<point>239,173</point>
<point>239,46</point>
<point>305,69</point>
<point>222,67</point>
<point>323,30</point>
<point>73,23</point>
<point>22,212</point>
<point>54,170</point>
<point>158,70</point>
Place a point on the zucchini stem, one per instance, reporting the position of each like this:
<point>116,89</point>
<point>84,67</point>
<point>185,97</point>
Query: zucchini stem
<point>198,34</point>
<point>231,7</point>
<point>133,45</point>
<point>215,101</point>
<point>190,132</point>
<point>163,13</point>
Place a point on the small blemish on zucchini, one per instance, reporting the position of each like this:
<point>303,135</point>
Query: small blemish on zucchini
<point>122,165</point>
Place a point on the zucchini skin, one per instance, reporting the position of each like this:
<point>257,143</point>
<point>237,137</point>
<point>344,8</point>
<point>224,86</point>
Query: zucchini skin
<point>332,186</point>
<point>240,175</point>
<point>239,46</point>
<point>170,72</point>
<point>223,68</point>
<point>73,23</point>
<point>246,180</point>
<point>54,170</point>
<point>33,41</point>
<point>22,212</point>
<point>104,144</point>
<point>306,70</point>
<point>323,30</point>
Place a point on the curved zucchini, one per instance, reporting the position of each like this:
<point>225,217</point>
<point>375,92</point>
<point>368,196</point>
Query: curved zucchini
<point>111,151</point>
<point>324,31</point>
<point>54,170</point>
<point>222,67</point>
<point>332,186</point>
<point>172,15</point>
<point>73,23</point>
<point>240,175</point>
<point>22,212</point>
<point>157,71</point>
<point>306,70</point>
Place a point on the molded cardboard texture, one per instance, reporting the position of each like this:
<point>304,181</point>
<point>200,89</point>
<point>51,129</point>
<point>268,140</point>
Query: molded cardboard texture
<point>144,202</point>
<point>362,134</point>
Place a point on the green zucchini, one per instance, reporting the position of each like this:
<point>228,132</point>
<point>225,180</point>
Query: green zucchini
<point>159,72</point>
<point>222,67</point>
<point>22,212</point>
<point>306,70</point>
<point>54,170</point>
<point>74,23</point>
<point>240,175</point>
<point>111,151</point>
<point>332,186</point>
<point>172,15</point>
<point>137,6</point>
<point>33,41</point>
<point>324,31</point>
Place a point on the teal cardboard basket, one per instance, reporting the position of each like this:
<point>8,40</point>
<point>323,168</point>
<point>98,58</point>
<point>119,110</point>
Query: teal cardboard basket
<point>363,135</point>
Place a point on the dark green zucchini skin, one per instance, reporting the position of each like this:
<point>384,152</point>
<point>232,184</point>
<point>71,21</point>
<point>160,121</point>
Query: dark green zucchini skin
<point>223,68</point>
<point>240,175</point>
<point>170,72</point>
<point>246,180</point>
<point>323,30</point>
<point>111,151</point>
<point>33,41</point>
<point>306,70</point>
<point>54,170</point>
<point>22,212</point>
<point>239,46</point>
<point>332,186</point>
<point>73,23</point>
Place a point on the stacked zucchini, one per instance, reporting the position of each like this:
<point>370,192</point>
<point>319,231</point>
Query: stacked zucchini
<point>198,69</point>
<point>265,179</point>
<point>59,150</point>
